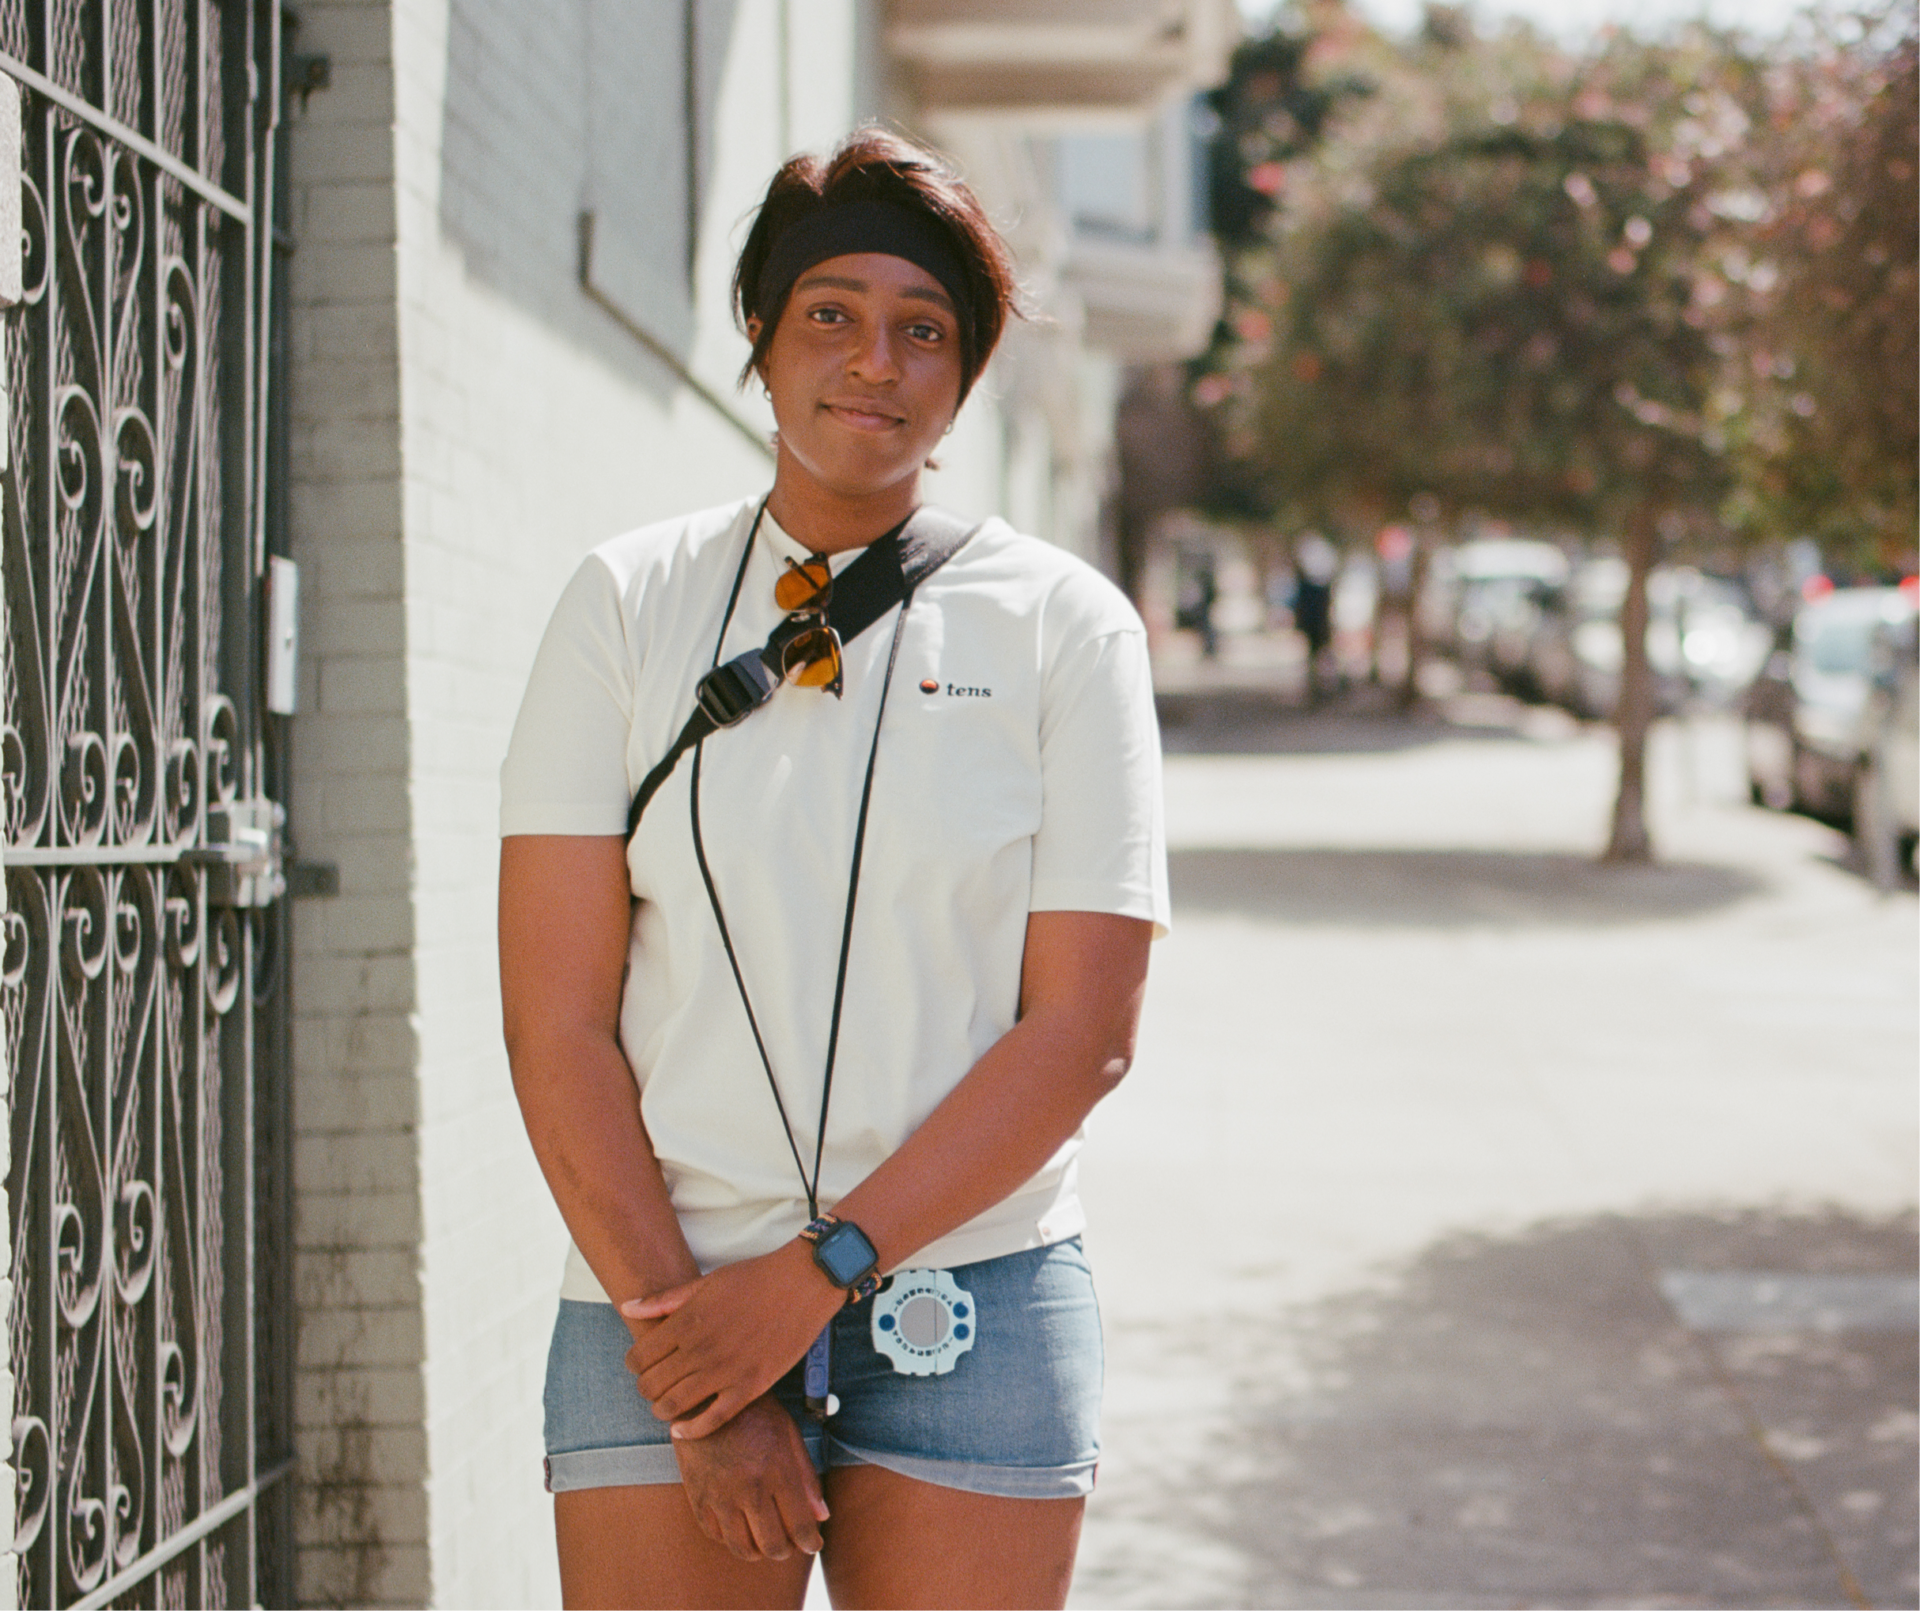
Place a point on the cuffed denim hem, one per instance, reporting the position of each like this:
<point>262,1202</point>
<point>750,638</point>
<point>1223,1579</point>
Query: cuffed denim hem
<point>640,1465</point>
<point>637,1465</point>
<point>1003,1482</point>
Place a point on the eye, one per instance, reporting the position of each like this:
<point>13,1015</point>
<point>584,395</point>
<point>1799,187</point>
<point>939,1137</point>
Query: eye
<point>925,331</point>
<point>826,313</point>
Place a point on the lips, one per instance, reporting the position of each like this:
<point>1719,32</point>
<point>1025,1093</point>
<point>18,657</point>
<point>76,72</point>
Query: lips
<point>863,415</point>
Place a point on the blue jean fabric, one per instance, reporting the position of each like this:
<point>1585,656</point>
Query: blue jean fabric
<point>1018,1416</point>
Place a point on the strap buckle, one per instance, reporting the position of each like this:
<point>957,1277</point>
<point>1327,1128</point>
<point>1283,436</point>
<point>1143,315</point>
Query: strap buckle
<point>731,693</point>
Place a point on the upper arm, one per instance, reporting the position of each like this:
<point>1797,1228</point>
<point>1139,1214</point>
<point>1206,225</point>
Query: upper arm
<point>1088,970</point>
<point>564,791</point>
<point>565,918</point>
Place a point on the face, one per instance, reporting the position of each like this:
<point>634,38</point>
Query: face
<point>864,369</point>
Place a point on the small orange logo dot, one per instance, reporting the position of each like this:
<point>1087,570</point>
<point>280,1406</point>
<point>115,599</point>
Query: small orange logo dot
<point>930,686</point>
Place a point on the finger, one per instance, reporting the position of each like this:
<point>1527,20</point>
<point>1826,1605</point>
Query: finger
<point>672,1382</point>
<point>648,1354</point>
<point>802,1509</point>
<point>769,1528</point>
<point>660,1305</point>
<point>681,1400</point>
<point>722,1409</point>
<point>736,1535</point>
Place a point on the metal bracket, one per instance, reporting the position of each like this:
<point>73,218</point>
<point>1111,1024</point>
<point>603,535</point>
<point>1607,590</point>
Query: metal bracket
<point>242,854</point>
<point>305,74</point>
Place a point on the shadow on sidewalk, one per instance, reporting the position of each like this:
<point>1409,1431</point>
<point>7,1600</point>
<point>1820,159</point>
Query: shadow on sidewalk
<point>1360,720</point>
<point>1446,889</point>
<point>1530,1421</point>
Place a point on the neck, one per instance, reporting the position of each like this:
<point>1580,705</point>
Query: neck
<point>829,522</point>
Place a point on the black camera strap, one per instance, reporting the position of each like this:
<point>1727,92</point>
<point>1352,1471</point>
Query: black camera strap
<point>884,575</point>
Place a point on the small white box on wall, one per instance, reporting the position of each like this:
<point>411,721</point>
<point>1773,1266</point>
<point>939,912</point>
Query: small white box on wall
<point>283,636</point>
<point>11,246</point>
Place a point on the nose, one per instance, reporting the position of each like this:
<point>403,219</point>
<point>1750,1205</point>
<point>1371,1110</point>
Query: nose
<point>874,359</point>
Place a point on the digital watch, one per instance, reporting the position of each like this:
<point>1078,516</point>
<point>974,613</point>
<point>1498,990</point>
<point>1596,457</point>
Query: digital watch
<point>844,1255</point>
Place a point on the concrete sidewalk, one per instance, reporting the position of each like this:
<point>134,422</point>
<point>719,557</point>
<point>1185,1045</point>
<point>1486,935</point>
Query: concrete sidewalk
<point>1485,1227</point>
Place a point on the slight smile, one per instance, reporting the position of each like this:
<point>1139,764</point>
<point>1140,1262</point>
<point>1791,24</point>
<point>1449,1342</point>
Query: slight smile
<point>863,416</point>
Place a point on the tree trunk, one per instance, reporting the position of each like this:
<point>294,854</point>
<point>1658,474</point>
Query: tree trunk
<point>1417,585</point>
<point>1634,714</point>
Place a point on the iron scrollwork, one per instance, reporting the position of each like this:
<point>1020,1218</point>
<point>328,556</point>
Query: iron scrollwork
<point>130,745</point>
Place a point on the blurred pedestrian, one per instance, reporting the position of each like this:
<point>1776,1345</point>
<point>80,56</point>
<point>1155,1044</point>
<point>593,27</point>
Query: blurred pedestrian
<point>1315,564</point>
<point>870,957</point>
<point>1198,595</point>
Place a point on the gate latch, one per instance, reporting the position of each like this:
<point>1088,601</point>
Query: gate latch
<point>242,854</point>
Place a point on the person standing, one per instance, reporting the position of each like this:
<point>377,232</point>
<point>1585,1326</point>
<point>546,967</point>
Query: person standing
<point>832,851</point>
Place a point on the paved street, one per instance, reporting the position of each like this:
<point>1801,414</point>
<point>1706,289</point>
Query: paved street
<point>1485,1227</point>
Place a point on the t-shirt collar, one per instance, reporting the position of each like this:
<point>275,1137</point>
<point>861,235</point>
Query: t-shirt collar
<point>784,546</point>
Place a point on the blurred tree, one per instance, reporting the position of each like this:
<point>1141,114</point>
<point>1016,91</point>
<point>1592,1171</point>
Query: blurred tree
<point>1268,113</point>
<point>1271,110</point>
<point>1832,438</point>
<point>1520,315</point>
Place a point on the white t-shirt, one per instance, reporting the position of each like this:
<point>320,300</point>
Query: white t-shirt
<point>1018,771</point>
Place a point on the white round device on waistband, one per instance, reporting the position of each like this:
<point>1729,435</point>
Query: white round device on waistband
<point>923,1322</point>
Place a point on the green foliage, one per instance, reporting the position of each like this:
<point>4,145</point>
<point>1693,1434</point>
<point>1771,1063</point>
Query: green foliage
<point>1558,287</point>
<point>1267,114</point>
<point>1833,445</point>
<point>1509,316</point>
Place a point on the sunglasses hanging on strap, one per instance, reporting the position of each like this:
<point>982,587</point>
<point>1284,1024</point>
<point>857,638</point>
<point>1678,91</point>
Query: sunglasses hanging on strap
<point>825,612</point>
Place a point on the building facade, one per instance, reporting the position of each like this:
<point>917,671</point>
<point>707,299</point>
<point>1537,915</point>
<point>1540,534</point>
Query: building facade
<point>493,329</point>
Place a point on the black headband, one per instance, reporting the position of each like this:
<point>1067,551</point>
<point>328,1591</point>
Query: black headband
<point>861,226</point>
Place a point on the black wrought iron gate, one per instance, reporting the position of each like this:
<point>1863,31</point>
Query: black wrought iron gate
<point>142,987</point>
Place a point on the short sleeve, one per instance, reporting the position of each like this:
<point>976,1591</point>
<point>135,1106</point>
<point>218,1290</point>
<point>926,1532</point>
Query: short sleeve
<point>566,765</point>
<point>1102,840</point>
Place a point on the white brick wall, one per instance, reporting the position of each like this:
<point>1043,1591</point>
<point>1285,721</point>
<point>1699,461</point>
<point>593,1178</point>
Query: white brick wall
<point>468,423</point>
<point>532,427</point>
<point>361,1516</point>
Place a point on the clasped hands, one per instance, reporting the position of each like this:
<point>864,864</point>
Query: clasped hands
<point>705,1356</point>
<point>722,1340</point>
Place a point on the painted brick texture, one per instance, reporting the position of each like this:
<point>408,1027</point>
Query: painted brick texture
<point>361,1527</point>
<point>532,427</point>
<point>468,424</point>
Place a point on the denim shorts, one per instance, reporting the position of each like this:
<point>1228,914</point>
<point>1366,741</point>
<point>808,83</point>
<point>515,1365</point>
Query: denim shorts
<point>1017,1416</point>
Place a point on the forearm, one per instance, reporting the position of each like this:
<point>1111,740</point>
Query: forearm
<point>1082,980</point>
<point>992,1133</point>
<point>582,1114</point>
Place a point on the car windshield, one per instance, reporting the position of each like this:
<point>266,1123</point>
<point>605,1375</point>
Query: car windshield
<point>1840,646</point>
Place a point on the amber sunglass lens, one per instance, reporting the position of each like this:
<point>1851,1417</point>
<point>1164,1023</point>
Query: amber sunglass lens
<point>813,659</point>
<point>802,585</point>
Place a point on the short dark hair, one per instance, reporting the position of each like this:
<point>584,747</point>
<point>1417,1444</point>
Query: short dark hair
<point>877,165</point>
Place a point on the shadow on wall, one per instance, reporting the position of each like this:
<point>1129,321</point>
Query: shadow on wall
<point>1621,1410</point>
<point>1446,889</point>
<point>580,106</point>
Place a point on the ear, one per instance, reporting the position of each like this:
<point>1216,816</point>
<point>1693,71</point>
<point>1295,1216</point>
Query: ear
<point>754,328</point>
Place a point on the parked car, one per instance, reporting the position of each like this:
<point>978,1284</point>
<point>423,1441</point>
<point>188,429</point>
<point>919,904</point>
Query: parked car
<point>1814,715</point>
<point>1703,639</point>
<point>1485,585</point>
<point>1886,799</point>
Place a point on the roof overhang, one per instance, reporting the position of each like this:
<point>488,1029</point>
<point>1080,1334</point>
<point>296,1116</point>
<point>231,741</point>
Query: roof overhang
<point>1064,61</point>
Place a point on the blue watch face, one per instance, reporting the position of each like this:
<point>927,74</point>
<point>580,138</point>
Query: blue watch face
<point>845,1254</point>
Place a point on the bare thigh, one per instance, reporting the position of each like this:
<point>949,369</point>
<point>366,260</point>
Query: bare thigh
<point>640,1546</point>
<point>895,1541</point>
